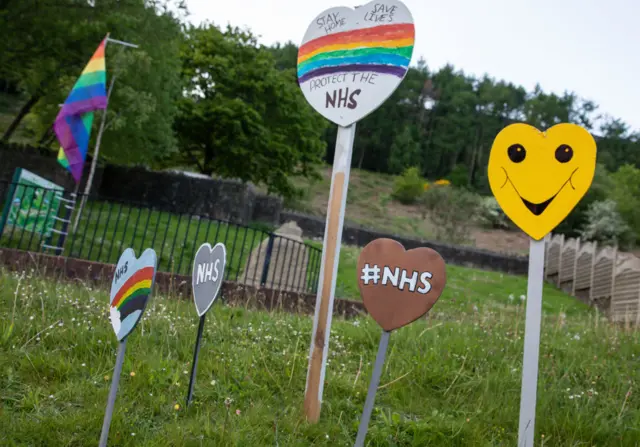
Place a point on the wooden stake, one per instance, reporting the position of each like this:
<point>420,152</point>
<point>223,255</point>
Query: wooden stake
<point>593,271</point>
<point>614,262</point>
<point>111,401</point>
<point>94,160</point>
<point>194,365</point>
<point>575,268</point>
<point>373,387</point>
<point>328,272</point>
<point>560,250</point>
<point>531,344</point>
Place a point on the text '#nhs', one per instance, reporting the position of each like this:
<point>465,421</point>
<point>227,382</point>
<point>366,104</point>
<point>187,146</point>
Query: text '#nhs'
<point>396,278</point>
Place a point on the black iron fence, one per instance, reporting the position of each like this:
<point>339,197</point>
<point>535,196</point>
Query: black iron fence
<point>96,229</point>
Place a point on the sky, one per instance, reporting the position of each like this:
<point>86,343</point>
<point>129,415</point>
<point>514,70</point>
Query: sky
<point>589,47</point>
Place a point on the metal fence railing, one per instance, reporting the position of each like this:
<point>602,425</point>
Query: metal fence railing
<point>43,220</point>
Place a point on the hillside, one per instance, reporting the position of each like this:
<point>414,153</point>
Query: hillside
<point>369,204</point>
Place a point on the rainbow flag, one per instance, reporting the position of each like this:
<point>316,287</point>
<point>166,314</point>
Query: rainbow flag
<point>384,49</point>
<point>73,123</point>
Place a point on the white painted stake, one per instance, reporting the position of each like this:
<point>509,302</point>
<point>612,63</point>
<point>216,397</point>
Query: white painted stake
<point>531,344</point>
<point>373,387</point>
<point>328,273</point>
<point>120,42</point>
<point>94,160</point>
<point>113,392</point>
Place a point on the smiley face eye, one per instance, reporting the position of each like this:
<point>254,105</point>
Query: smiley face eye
<point>516,153</point>
<point>564,153</point>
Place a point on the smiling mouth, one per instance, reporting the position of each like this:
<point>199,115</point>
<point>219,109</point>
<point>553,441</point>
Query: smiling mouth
<point>538,208</point>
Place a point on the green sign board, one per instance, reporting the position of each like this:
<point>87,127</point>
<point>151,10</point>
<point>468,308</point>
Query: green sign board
<point>32,203</point>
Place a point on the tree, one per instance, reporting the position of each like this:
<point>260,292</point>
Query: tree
<point>600,190</point>
<point>405,151</point>
<point>240,116</point>
<point>64,34</point>
<point>626,193</point>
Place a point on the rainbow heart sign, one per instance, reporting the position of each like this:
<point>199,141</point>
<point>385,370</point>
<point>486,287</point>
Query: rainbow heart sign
<point>351,60</point>
<point>130,290</point>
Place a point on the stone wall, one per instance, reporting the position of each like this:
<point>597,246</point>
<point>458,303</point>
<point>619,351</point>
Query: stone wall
<point>288,260</point>
<point>313,226</point>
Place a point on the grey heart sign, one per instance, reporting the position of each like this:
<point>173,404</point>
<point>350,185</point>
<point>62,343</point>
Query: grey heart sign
<point>207,276</point>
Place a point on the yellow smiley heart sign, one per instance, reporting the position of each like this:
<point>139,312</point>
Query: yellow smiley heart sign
<point>539,177</point>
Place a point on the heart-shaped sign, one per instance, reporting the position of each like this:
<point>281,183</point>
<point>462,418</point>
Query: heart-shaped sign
<point>399,286</point>
<point>539,177</point>
<point>208,275</point>
<point>130,290</point>
<point>351,60</point>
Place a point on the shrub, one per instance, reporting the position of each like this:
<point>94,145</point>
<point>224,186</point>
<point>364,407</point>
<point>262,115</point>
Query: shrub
<point>605,225</point>
<point>408,187</point>
<point>459,176</point>
<point>452,211</point>
<point>491,215</point>
<point>626,193</point>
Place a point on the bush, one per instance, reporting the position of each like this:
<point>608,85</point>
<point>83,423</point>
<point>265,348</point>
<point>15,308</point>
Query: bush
<point>408,187</point>
<point>459,176</point>
<point>453,212</point>
<point>606,226</point>
<point>626,193</point>
<point>491,215</point>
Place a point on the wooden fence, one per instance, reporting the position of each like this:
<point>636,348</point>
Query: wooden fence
<point>600,276</point>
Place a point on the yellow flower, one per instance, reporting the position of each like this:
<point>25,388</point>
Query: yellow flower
<point>443,182</point>
<point>425,186</point>
<point>176,407</point>
<point>132,374</point>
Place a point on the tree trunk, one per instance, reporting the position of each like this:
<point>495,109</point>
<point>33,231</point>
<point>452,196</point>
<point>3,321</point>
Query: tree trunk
<point>361,158</point>
<point>26,108</point>
<point>46,136</point>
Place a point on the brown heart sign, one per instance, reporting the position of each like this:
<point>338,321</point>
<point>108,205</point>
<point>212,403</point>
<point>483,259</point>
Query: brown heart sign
<point>399,286</point>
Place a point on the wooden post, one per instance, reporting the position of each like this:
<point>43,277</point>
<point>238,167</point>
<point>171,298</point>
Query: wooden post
<point>94,160</point>
<point>613,273</point>
<point>547,244</point>
<point>638,310</point>
<point>328,272</point>
<point>575,268</point>
<point>593,267</point>
<point>531,345</point>
<point>560,249</point>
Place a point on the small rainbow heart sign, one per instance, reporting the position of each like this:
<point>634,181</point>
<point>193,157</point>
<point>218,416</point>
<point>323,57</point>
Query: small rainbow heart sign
<point>130,290</point>
<point>351,60</point>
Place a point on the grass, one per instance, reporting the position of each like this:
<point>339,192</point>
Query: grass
<point>465,287</point>
<point>451,380</point>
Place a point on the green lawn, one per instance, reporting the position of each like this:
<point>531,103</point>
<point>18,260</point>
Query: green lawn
<point>451,380</point>
<point>465,288</point>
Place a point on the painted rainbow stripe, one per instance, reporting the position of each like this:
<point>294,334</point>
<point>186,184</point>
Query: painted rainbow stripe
<point>384,49</point>
<point>72,125</point>
<point>139,285</point>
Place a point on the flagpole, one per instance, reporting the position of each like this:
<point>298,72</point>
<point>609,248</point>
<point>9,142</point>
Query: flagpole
<point>94,160</point>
